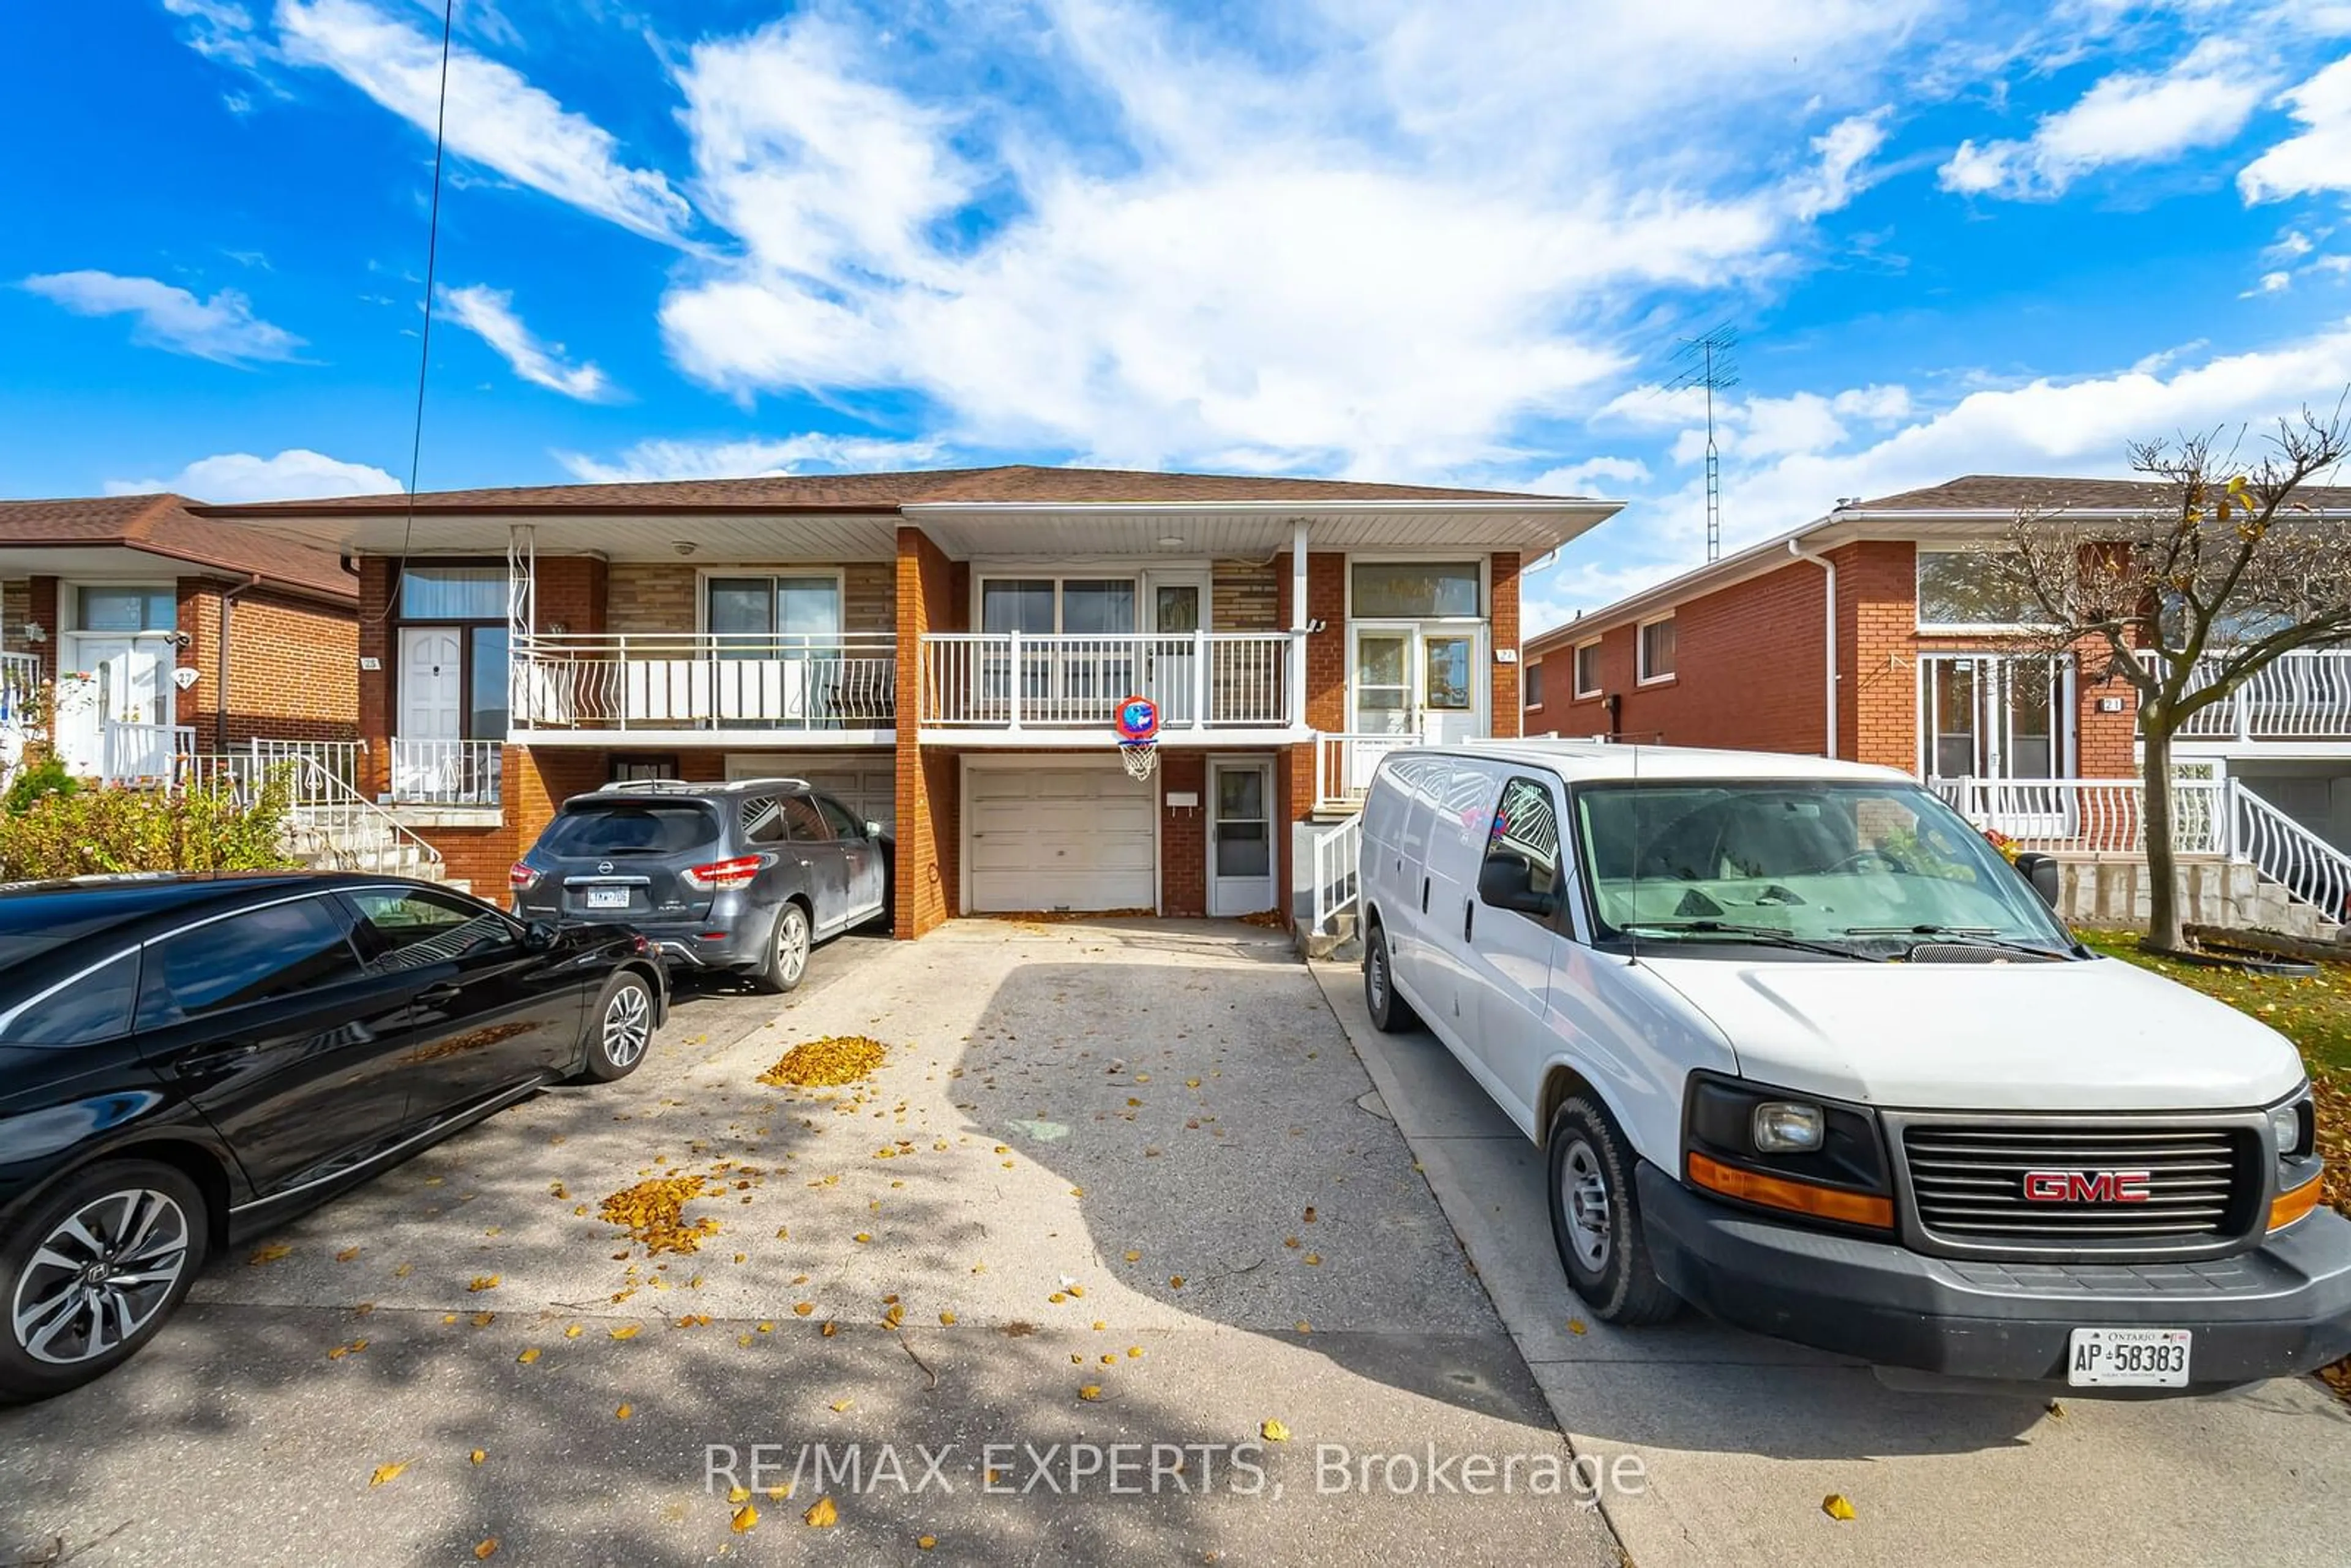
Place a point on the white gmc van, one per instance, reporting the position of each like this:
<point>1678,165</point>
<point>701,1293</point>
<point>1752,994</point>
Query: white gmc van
<point>1807,1052</point>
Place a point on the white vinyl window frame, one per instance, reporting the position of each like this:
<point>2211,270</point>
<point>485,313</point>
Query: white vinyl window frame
<point>1060,576</point>
<point>705,575</point>
<point>1575,670</point>
<point>1919,552</point>
<point>1646,676</point>
<point>1485,562</point>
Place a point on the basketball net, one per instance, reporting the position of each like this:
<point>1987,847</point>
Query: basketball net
<point>1140,757</point>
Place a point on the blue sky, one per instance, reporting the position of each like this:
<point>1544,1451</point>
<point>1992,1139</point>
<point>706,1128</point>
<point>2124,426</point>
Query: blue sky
<point>1451,242</point>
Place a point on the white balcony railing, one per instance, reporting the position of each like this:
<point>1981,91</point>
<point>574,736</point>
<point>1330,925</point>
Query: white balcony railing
<point>142,753</point>
<point>20,678</point>
<point>445,772</point>
<point>622,682</point>
<point>2302,696</point>
<point>1200,680</point>
<point>322,764</point>
<point>1343,765</point>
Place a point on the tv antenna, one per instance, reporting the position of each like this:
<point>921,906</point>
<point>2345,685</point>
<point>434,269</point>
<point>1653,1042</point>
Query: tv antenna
<point>1709,360</point>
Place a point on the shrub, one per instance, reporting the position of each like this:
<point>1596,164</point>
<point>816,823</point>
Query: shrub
<point>112,829</point>
<point>43,775</point>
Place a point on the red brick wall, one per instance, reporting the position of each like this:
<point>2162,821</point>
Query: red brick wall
<point>1326,651</point>
<point>1877,648</point>
<point>1504,614</point>
<point>931,598</point>
<point>375,642</point>
<point>1184,834</point>
<point>293,667</point>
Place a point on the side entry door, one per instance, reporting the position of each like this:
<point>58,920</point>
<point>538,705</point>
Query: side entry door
<point>488,1011</point>
<point>1519,909</point>
<point>861,857</point>
<point>294,1050</point>
<point>820,850</point>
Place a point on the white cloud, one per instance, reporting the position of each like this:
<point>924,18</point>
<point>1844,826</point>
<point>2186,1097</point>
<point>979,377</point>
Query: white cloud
<point>296,473</point>
<point>752,457</point>
<point>496,116</point>
<point>2319,158</point>
<point>489,315</point>
<point>223,328</point>
<point>2128,117</point>
<point>1348,260</point>
<point>218,29</point>
<point>2269,283</point>
<point>1592,477</point>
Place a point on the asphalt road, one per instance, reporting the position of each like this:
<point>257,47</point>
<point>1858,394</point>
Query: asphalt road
<point>1052,1236</point>
<point>1743,1438</point>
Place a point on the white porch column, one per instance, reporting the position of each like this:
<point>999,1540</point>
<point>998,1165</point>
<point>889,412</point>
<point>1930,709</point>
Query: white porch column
<point>1296,703</point>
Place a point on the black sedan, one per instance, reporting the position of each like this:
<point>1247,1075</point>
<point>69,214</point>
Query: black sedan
<point>185,1061</point>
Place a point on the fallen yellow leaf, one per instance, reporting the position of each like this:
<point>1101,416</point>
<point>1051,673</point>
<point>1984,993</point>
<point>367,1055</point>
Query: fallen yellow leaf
<point>572,1332</point>
<point>803,1308</point>
<point>1836,1506</point>
<point>822,1514</point>
<point>483,1282</point>
<point>270,1254</point>
<point>1576,1326</point>
<point>624,1412</point>
<point>628,1330</point>
<point>744,1519</point>
<point>862,1238</point>
<point>840,1406</point>
<point>486,1547</point>
<point>828,1330</point>
<point>924,1542</point>
<point>738,1494</point>
<point>1091,1391</point>
<point>527,1357</point>
<point>478,1456</point>
<point>386,1474</point>
<point>1313,1258</point>
<point>1274,1431</point>
<point>946,1320</point>
<point>1175,1281</point>
<point>483,1319</point>
<point>347,1254</point>
<point>1132,1256</point>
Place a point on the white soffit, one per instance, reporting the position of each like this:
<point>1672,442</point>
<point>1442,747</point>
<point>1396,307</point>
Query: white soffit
<point>1253,528</point>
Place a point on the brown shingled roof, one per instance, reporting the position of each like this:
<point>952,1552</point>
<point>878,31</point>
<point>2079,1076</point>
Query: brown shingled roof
<point>2008,492</point>
<point>887,491</point>
<point>163,525</point>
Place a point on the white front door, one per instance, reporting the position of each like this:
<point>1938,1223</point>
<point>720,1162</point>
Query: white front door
<point>1240,838</point>
<point>430,751</point>
<point>118,685</point>
<point>1417,681</point>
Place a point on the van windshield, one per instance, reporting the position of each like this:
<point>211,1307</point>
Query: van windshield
<point>1873,869</point>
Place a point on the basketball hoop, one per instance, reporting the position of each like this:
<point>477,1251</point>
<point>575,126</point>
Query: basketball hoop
<point>1138,738</point>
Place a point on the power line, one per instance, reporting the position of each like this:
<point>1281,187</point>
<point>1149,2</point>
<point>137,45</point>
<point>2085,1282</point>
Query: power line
<point>425,345</point>
<point>1707,361</point>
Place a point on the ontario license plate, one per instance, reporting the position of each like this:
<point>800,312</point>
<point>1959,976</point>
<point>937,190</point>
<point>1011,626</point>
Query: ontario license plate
<point>607,898</point>
<point>2128,1358</point>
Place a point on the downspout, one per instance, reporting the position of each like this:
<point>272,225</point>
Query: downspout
<point>220,656</point>
<point>1829,639</point>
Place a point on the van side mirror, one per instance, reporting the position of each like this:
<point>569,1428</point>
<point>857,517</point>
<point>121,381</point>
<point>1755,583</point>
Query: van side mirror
<point>1506,882</point>
<point>2041,870</point>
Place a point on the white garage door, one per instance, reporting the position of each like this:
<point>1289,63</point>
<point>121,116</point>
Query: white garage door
<point>867,784</point>
<point>1058,838</point>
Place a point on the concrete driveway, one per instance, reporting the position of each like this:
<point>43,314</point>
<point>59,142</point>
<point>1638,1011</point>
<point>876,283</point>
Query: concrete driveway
<point>1059,1220</point>
<point>1743,1438</point>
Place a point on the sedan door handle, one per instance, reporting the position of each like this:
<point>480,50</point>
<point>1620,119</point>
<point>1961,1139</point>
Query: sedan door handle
<point>213,1060</point>
<point>439,996</point>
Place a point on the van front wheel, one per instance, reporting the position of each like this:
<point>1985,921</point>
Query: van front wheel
<point>1390,1013</point>
<point>1595,1219</point>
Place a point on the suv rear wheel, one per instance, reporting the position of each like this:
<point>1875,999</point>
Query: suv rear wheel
<point>788,951</point>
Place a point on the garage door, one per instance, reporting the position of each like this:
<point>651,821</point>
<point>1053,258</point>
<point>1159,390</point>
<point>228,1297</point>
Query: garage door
<point>1058,838</point>
<point>867,784</point>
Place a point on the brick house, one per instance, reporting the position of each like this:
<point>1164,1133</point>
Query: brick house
<point>944,651</point>
<point>169,632</point>
<point>1866,635</point>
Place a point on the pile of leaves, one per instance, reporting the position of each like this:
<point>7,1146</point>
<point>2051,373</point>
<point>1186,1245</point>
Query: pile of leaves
<point>653,1214</point>
<point>835,1060</point>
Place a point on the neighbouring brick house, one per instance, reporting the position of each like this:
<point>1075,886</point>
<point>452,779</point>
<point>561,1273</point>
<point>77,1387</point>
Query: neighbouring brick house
<point>944,651</point>
<point>1865,634</point>
<point>168,631</point>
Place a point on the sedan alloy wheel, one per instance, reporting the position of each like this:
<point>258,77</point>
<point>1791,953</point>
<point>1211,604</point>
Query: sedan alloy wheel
<point>100,1277</point>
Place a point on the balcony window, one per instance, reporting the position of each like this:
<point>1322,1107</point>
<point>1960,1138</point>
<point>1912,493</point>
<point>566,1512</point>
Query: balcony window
<point>129,609</point>
<point>1078,606</point>
<point>1955,590</point>
<point>794,611</point>
<point>1416,590</point>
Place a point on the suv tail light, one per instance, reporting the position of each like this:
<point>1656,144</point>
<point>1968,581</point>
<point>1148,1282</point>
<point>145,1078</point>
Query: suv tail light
<point>737,872</point>
<point>521,877</point>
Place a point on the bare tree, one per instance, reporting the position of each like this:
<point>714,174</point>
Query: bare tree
<point>2226,572</point>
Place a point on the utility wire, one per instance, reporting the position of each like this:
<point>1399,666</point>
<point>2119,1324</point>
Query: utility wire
<point>424,345</point>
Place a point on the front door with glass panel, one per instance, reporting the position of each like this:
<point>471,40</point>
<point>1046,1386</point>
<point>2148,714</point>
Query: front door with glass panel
<point>1417,681</point>
<point>2000,718</point>
<point>115,719</point>
<point>1240,838</point>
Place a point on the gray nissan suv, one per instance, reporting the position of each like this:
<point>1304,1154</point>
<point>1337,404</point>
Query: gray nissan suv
<point>745,876</point>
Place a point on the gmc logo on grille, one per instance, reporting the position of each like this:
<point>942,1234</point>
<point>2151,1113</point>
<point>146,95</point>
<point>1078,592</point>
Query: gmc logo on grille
<point>2086,1186</point>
